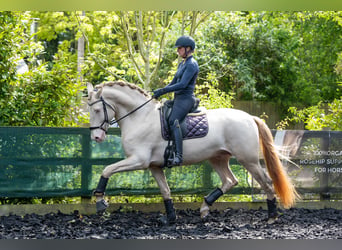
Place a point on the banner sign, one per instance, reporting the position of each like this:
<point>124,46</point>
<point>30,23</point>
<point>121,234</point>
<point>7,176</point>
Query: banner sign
<point>316,159</point>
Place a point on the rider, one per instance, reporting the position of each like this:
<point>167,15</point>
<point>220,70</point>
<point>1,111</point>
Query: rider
<point>183,85</point>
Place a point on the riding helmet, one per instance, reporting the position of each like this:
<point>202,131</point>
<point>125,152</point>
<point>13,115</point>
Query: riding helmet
<point>185,41</point>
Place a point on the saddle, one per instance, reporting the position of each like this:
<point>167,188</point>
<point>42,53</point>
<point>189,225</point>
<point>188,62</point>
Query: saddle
<point>195,124</point>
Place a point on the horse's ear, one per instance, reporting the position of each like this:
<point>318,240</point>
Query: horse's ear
<point>90,88</point>
<point>98,92</point>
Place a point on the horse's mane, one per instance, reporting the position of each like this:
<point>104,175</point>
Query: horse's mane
<point>123,84</point>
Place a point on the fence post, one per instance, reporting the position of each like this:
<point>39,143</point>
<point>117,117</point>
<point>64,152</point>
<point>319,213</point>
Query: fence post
<point>86,167</point>
<point>207,181</point>
<point>324,180</point>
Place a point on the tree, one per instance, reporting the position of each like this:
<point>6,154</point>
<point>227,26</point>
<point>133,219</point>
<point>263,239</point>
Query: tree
<point>191,21</point>
<point>145,34</point>
<point>80,54</point>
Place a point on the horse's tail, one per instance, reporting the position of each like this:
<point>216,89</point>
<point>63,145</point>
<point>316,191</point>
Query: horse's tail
<point>281,182</point>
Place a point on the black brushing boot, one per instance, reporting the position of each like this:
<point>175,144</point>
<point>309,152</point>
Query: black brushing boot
<point>213,196</point>
<point>170,213</point>
<point>272,210</point>
<point>100,191</point>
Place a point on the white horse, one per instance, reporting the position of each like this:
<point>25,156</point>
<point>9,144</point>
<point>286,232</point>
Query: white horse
<point>231,133</point>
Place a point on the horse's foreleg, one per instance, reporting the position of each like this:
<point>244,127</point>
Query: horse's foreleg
<point>160,178</point>
<point>221,166</point>
<point>99,192</point>
<point>131,163</point>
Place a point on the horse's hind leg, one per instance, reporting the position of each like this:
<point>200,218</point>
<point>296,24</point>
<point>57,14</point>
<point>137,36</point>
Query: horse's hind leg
<point>221,165</point>
<point>265,182</point>
<point>160,178</point>
<point>262,178</point>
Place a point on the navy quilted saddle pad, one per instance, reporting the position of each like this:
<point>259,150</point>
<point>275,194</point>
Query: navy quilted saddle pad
<point>195,125</point>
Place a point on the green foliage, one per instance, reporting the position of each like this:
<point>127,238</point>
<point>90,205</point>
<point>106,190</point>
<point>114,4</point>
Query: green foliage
<point>46,95</point>
<point>289,58</point>
<point>323,115</point>
<point>252,63</point>
<point>43,98</point>
<point>338,67</point>
<point>319,117</point>
<point>9,41</point>
<point>317,53</point>
<point>211,96</point>
<point>283,57</point>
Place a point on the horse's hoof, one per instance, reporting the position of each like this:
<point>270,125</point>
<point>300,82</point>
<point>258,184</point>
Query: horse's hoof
<point>101,206</point>
<point>272,220</point>
<point>204,213</point>
<point>273,217</point>
<point>166,222</point>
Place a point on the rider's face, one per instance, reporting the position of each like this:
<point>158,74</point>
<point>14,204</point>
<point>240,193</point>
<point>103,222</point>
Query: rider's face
<point>181,51</point>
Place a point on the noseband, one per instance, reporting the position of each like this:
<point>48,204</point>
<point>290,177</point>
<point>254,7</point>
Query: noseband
<point>113,121</point>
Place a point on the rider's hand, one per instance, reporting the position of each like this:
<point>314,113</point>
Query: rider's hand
<point>158,92</point>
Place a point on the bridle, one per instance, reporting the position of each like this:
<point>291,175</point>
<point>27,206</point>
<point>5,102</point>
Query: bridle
<point>113,121</point>
<point>106,120</point>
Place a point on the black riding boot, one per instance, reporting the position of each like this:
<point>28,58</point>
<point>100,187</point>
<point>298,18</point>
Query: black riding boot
<point>177,156</point>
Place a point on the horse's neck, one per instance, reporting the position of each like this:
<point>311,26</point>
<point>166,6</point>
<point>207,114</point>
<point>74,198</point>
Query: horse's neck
<point>126,100</point>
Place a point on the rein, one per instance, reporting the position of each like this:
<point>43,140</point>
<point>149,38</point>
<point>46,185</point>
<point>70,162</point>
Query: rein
<point>112,122</point>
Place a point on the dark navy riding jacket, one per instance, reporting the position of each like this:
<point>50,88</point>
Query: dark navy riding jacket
<point>183,83</point>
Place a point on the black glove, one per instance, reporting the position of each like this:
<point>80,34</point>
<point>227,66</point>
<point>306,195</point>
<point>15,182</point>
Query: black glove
<point>158,92</point>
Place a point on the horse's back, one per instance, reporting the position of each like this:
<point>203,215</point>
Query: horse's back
<point>235,130</point>
<point>231,117</point>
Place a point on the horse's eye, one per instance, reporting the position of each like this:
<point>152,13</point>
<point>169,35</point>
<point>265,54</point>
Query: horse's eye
<point>96,111</point>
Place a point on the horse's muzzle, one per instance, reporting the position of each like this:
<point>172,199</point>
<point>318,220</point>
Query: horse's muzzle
<point>98,135</point>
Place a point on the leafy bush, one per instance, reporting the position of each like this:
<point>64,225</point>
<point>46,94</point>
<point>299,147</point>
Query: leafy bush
<point>44,95</point>
<point>318,117</point>
<point>211,96</point>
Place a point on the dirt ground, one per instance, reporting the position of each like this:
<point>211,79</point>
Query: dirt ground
<point>296,223</point>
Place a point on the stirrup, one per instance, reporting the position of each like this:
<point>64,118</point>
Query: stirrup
<point>176,160</point>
